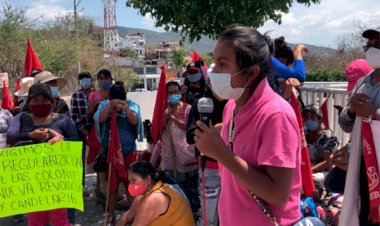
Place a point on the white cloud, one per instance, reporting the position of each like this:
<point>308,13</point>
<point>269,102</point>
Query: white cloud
<point>148,21</point>
<point>47,9</point>
<point>321,24</point>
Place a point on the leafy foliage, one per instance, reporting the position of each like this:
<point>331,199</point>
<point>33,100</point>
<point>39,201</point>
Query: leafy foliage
<point>14,28</point>
<point>208,58</point>
<point>127,76</point>
<point>210,18</point>
<point>178,57</point>
<point>326,75</point>
<point>128,53</point>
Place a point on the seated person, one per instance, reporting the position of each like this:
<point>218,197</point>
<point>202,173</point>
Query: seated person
<point>320,142</point>
<point>156,203</point>
<point>336,179</point>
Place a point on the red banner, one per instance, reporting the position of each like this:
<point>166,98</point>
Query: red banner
<point>372,170</point>
<point>307,177</point>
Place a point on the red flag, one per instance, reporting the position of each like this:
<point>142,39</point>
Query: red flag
<point>306,173</point>
<point>196,57</point>
<point>115,155</point>
<point>18,87</point>
<point>31,60</point>
<point>372,169</point>
<point>325,113</point>
<point>7,100</point>
<point>159,107</point>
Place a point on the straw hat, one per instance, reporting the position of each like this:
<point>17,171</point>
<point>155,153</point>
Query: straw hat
<point>26,83</point>
<point>46,76</point>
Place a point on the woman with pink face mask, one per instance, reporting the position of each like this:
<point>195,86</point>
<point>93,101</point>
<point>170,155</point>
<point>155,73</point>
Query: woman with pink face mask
<point>39,126</point>
<point>156,203</point>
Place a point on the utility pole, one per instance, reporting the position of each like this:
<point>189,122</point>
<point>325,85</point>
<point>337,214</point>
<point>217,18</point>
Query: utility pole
<point>76,31</point>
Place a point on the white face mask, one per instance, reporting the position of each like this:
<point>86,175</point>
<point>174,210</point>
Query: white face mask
<point>373,57</point>
<point>221,86</point>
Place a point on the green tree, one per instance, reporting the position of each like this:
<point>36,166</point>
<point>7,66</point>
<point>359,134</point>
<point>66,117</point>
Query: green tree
<point>208,58</point>
<point>178,57</point>
<point>129,77</point>
<point>198,17</point>
<point>14,27</point>
<point>128,53</point>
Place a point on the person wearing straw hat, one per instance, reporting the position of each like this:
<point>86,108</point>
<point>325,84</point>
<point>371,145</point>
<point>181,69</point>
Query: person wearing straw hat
<point>55,83</point>
<point>26,83</point>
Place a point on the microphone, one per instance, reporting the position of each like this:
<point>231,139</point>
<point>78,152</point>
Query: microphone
<point>205,108</point>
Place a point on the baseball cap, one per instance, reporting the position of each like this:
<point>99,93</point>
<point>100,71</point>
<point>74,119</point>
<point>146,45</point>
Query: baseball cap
<point>40,89</point>
<point>356,70</point>
<point>46,76</point>
<point>371,32</point>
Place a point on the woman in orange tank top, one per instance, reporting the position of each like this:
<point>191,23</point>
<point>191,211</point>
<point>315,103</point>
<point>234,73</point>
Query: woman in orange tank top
<point>156,203</point>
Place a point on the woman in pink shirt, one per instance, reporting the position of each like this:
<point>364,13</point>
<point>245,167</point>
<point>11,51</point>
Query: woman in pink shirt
<point>258,149</point>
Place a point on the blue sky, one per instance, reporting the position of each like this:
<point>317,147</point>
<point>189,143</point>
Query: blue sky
<point>320,24</point>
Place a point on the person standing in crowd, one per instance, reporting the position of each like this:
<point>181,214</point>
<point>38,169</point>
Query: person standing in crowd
<point>130,129</point>
<point>55,83</point>
<point>22,94</point>
<point>178,157</point>
<point>321,144</point>
<point>156,203</point>
<point>79,110</point>
<point>42,125</point>
<point>105,81</point>
<point>356,70</point>
<point>364,103</point>
<point>5,120</point>
<point>209,165</point>
<point>195,82</point>
<point>258,150</point>
<point>288,69</point>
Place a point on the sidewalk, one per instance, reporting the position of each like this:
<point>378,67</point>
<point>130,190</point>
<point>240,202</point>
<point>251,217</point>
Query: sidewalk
<point>92,215</point>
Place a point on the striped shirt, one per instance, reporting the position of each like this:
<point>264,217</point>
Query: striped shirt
<point>5,120</point>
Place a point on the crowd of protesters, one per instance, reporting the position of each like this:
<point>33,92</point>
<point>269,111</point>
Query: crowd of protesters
<point>242,167</point>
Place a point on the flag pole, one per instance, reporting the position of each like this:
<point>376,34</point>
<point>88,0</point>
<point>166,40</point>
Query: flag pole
<point>108,194</point>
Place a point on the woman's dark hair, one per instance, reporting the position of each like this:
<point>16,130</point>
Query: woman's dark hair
<point>144,169</point>
<point>251,48</point>
<point>172,83</point>
<point>84,74</point>
<point>281,49</point>
<point>105,72</point>
<point>147,131</point>
<point>117,91</point>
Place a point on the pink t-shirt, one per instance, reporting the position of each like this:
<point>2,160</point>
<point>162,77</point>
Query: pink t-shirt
<point>95,96</point>
<point>266,134</point>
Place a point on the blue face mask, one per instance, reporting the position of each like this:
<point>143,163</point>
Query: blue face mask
<point>311,125</point>
<point>105,85</point>
<point>85,83</point>
<point>54,91</point>
<point>175,99</point>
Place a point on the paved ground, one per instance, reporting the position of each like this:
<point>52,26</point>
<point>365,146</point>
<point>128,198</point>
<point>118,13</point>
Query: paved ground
<point>93,214</point>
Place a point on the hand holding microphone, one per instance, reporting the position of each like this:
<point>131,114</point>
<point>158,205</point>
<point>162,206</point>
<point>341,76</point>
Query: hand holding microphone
<point>207,138</point>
